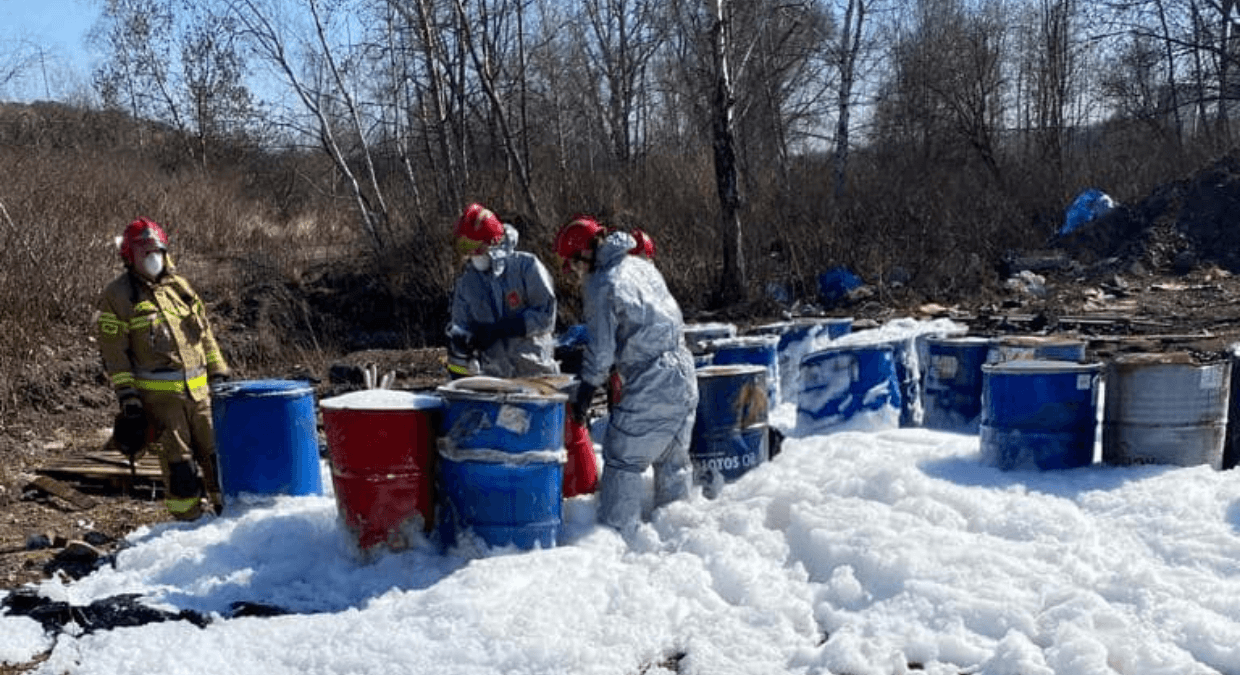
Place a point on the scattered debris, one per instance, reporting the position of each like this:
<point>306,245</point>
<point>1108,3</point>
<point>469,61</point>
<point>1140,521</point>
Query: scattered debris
<point>106,472</point>
<point>247,608</point>
<point>114,612</point>
<point>50,486</point>
<point>76,560</point>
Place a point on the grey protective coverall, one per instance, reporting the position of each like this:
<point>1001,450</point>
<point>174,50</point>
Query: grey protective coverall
<point>635,324</point>
<point>516,285</point>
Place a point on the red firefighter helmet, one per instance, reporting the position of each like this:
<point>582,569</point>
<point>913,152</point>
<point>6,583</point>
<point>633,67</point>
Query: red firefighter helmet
<point>142,231</point>
<point>645,245</point>
<point>476,228</point>
<point>575,237</point>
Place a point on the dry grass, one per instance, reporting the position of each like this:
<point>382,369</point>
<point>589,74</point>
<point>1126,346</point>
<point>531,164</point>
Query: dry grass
<point>272,242</point>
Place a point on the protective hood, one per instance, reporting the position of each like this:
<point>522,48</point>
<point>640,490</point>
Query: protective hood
<point>503,250</point>
<point>613,249</point>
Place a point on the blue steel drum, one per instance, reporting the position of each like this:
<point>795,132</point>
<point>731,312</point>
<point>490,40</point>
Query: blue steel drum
<point>266,437</point>
<point>730,430</point>
<point>501,451</point>
<point>497,414</point>
<point>1042,348</point>
<point>849,387</point>
<point>908,375</point>
<point>952,391</point>
<point>796,338</point>
<point>1039,414</point>
<point>751,350</point>
<point>502,503</point>
<point>1231,443</point>
<point>698,335</point>
<point>837,326</point>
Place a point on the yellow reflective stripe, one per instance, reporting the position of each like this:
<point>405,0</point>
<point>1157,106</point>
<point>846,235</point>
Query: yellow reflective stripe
<point>184,505</point>
<point>145,321</point>
<point>122,379</point>
<point>109,324</point>
<point>175,375</point>
<point>175,386</point>
<point>145,306</point>
<point>214,357</point>
<point>198,382</point>
<point>160,385</point>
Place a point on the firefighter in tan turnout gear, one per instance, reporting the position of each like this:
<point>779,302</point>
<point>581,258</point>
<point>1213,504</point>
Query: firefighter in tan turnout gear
<point>161,356</point>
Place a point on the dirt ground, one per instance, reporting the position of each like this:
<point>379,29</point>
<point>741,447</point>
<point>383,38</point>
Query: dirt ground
<point>1156,275</point>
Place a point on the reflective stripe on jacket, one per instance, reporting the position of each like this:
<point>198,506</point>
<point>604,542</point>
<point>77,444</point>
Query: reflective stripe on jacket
<point>154,336</point>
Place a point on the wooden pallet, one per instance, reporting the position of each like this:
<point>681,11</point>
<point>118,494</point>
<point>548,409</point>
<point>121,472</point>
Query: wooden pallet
<point>108,472</point>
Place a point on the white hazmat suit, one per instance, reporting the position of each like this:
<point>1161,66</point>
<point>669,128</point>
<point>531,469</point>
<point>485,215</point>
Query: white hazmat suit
<point>517,290</point>
<point>636,325</point>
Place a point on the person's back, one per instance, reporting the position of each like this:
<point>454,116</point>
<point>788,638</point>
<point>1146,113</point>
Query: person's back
<point>634,324</point>
<point>641,331</point>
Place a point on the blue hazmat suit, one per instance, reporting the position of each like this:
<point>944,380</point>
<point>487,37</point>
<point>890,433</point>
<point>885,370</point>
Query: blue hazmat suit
<point>636,325</point>
<point>517,288</point>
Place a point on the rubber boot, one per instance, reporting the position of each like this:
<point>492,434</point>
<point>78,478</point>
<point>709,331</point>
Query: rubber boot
<point>620,499</point>
<point>673,471</point>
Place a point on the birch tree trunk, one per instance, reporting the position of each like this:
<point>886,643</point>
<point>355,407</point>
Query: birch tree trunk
<point>850,45</point>
<point>733,282</point>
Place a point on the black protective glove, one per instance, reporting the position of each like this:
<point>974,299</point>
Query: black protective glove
<point>129,427</point>
<point>580,404</point>
<point>460,344</point>
<point>510,326</point>
<point>131,402</point>
<point>482,336</point>
<point>486,334</point>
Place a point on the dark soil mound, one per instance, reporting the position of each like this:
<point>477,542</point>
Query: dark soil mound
<point>1178,226</point>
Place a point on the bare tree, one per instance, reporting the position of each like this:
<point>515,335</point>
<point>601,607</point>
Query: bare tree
<point>259,25</point>
<point>487,75</point>
<point>16,60</point>
<point>138,37</point>
<point>213,70</point>
<point>619,37</point>
<point>733,281</point>
<point>945,95</point>
<point>846,59</point>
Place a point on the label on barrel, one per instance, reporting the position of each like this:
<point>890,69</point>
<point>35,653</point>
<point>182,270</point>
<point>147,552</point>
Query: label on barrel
<point>728,463</point>
<point>1211,378</point>
<point>1084,381</point>
<point>513,419</point>
<point>945,366</point>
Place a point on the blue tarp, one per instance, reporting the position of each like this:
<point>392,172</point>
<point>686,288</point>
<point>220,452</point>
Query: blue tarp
<point>1087,206</point>
<point>836,283</point>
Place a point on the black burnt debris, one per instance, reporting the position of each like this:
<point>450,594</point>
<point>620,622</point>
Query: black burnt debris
<point>119,611</point>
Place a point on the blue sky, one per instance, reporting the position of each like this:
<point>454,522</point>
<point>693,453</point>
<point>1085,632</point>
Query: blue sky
<point>59,27</point>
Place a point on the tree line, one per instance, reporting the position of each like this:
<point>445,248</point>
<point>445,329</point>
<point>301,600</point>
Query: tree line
<point>761,140</point>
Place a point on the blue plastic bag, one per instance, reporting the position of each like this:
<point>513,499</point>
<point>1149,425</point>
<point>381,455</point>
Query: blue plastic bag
<point>1088,206</point>
<point>836,283</point>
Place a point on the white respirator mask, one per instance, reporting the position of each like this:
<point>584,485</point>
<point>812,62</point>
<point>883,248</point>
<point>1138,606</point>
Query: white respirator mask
<point>481,263</point>
<point>152,265</point>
